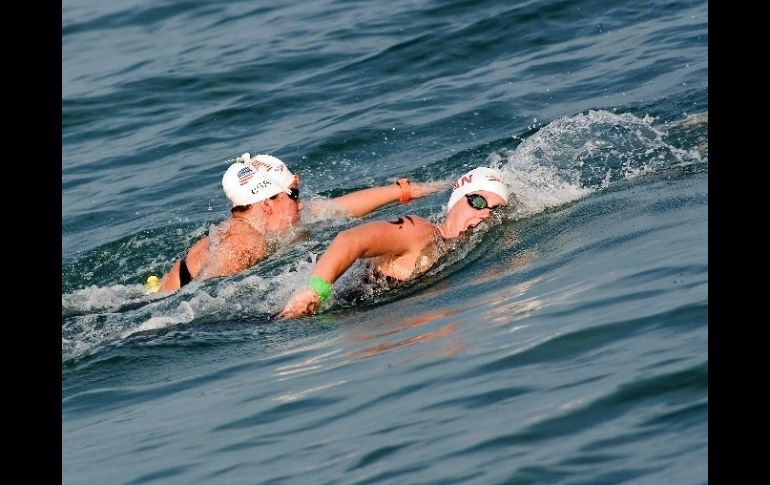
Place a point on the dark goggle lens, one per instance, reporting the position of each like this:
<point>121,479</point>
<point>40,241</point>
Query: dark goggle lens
<point>294,195</point>
<point>477,201</point>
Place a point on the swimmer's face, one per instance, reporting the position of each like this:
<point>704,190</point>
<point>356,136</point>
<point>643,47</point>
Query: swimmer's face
<point>286,207</point>
<point>474,208</point>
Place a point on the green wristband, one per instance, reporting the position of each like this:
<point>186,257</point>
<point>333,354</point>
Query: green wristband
<point>320,287</point>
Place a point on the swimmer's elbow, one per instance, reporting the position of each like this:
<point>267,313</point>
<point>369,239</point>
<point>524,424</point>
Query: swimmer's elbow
<point>345,240</point>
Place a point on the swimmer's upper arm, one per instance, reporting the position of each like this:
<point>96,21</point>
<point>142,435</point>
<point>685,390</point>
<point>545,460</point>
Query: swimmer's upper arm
<point>395,237</point>
<point>170,281</point>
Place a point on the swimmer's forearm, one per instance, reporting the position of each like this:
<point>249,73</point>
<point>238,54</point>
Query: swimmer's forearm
<point>338,257</point>
<point>364,241</point>
<point>364,201</point>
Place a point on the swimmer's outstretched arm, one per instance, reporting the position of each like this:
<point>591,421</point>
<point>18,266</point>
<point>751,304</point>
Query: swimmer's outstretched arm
<point>362,202</point>
<point>367,240</point>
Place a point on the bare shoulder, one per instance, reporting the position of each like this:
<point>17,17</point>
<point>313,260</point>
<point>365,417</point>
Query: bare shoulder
<point>238,247</point>
<point>240,235</point>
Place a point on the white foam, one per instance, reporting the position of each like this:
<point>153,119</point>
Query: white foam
<point>572,157</point>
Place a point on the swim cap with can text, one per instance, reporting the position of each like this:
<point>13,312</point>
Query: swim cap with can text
<point>481,178</point>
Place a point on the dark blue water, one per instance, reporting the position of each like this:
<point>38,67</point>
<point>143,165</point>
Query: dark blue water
<point>566,342</point>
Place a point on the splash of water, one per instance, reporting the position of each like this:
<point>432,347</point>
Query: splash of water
<point>574,156</point>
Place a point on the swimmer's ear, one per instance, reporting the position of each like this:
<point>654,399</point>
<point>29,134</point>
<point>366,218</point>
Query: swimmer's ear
<point>267,207</point>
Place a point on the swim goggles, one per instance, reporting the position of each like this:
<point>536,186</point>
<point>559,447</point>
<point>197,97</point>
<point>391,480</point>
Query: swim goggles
<point>478,202</point>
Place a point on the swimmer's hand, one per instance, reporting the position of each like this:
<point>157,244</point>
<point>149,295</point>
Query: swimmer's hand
<point>304,303</point>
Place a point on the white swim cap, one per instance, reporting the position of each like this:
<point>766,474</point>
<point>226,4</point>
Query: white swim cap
<point>481,178</point>
<point>249,180</point>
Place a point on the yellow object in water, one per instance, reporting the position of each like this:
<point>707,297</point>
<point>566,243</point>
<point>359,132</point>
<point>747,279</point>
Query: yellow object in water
<point>152,285</point>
